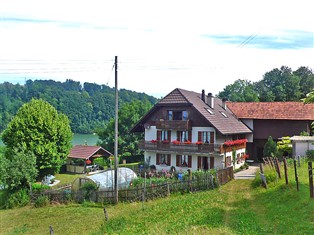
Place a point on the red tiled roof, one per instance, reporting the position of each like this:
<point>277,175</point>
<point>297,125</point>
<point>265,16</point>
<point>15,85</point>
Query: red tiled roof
<point>85,152</point>
<point>225,125</point>
<point>272,110</point>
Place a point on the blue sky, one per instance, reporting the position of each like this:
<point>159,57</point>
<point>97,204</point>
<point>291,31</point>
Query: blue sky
<point>160,45</point>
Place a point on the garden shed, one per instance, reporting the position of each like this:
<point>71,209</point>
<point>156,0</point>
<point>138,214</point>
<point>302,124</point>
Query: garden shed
<point>81,157</point>
<point>105,179</point>
<point>302,144</point>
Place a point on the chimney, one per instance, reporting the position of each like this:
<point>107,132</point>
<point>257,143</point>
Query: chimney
<point>223,104</point>
<point>203,95</point>
<point>210,100</point>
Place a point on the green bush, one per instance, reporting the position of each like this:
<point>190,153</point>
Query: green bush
<point>37,188</point>
<point>310,155</point>
<point>41,201</point>
<point>17,199</point>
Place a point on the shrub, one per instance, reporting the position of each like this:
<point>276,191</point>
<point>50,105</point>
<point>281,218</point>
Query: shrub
<point>41,201</point>
<point>37,188</point>
<point>17,199</point>
<point>310,155</point>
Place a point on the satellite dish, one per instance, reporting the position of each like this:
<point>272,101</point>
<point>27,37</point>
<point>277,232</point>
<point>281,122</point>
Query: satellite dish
<point>146,126</point>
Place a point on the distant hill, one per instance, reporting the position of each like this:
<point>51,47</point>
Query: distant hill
<point>88,106</point>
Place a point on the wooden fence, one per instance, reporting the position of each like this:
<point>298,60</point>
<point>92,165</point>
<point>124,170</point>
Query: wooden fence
<point>142,192</point>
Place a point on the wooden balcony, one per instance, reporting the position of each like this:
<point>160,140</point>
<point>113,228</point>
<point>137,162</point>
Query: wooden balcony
<point>181,148</point>
<point>178,125</point>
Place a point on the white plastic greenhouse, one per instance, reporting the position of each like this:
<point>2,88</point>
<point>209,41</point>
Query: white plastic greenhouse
<point>105,179</point>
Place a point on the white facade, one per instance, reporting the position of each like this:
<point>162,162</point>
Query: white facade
<point>219,160</point>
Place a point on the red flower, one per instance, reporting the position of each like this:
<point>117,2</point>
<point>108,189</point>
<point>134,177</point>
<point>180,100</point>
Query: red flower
<point>187,142</point>
<point>199,142</point>
<point>154,141</point>
<point>88,161</point>
<point>235,142</point>
<point>176,142</point>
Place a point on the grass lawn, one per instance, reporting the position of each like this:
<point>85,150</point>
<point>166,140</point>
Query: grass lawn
<point>235,208</point>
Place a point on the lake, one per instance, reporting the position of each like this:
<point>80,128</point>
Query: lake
<point>82,139</point>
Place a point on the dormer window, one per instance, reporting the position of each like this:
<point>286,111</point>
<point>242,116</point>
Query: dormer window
<point>210,111</point>
<point>223,114</point>
<point>178,115</point>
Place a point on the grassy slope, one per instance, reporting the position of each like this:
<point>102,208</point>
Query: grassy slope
<point>235,208</point>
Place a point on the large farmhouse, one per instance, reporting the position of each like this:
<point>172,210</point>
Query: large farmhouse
<point>189,130</point>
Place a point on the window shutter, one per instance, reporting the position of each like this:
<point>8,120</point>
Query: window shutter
<point>169,135</point>
<point>168,159</point>
<point>178,160</point>
<point>189,161</point>
<point>178,135</point>
<point>157,159</point>
<point>159,135</point>
<point>212,137</point>
<point>199,138</point>
<point>212,162</point>
<point>199,163</point>
<point>190,135</point>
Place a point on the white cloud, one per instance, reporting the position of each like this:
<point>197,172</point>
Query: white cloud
<point>160,44</point>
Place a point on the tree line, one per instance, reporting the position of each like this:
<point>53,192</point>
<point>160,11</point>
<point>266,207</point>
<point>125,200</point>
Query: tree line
<point>89,106</point>
<point>279,84</point>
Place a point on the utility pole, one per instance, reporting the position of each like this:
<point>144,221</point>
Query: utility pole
<point>116,134</point>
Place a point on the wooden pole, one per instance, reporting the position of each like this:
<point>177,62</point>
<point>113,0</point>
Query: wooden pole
<point>286,171</point>
<point>296,173</point>
<point>116,133</point>
<point>278,167</point>
<point>310,167</point>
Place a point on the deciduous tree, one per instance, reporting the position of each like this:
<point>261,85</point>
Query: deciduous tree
<point>39,129</point>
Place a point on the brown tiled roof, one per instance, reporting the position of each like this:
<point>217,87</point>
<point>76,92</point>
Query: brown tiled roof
<point>85,152</point>
<point>225,125</point>
<point>272,110</point>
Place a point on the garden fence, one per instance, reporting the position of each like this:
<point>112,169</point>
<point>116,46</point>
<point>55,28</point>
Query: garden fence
<point>142,192</point>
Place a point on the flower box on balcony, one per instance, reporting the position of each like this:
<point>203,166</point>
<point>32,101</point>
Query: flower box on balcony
<point>165,141</point>
<point>187,142</point>
<point>176,142</point>
<point>199,142</point>
<point>154,141</point>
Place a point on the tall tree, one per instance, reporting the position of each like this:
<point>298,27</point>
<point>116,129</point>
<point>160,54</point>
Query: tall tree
<point>307,80</point>
<point>239,91</point>
<point>39,129</point>
<point>129,115</point>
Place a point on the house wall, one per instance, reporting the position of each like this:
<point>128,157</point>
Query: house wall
<point>300,148</point>
<point>278,128</point>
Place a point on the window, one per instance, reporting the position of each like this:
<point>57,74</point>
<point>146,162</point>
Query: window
<point>183,136</point>
<point>164,135</point>
<point>184,161</point>
<point>206,136</point>
<point>223,114</point>
<point>163,159</point>
<point>210,112</point>
<point>177,115</point>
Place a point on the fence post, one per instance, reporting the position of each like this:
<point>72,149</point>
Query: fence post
<point>51,230</point>
<point>310,167</point>
<point>263,178</point>
<point>278,167</point>
<point>286,171</point>
<point>296,173</point>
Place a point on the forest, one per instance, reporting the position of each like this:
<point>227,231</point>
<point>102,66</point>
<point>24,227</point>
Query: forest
<point>279,84</point>
<point>89,106</point>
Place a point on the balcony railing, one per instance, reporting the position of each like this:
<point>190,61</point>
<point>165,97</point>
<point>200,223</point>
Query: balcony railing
<point>181,147</point>
<point>174,125</point>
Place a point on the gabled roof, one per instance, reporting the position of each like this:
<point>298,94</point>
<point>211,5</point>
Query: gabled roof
<point>226,125</point>
<point>272,110</point>
<point>85,151</point>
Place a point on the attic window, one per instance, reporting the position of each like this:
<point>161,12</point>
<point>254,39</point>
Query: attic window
<point>210,112</point>
<point>223,114</point>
